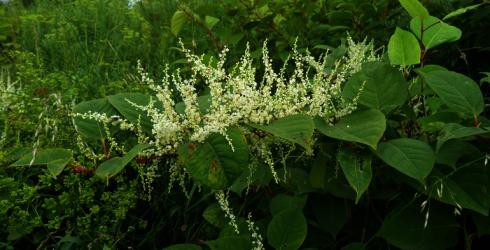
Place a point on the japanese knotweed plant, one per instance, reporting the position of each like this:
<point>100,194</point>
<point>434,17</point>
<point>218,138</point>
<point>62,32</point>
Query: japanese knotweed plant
<point>235,103</point>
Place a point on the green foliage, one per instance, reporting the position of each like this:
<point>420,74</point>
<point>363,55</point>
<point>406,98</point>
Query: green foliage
<point>405,166</point>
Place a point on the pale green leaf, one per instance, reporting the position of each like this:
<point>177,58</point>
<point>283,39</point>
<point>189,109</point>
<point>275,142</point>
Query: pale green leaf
<point>403,48</point>
<point>414,8</point>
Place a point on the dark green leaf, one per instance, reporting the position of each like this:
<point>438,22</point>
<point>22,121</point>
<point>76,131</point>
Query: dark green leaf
<point>404,228</point>
<point>354,246</point>
<point>459,92</point>
<point>296,128</point>
<point>383,87</point>
<point>91,128</point>
<point>214,215</point>
<point>467,186</point>
<point>331,213</point>
<point>178,21</point>
<point>357,170</point>
<point>287,230</point>
<point>115,165</point>
<point>365,127</point>
<point>412,157</point>
<point>133,114</point>
<point>283,201</point>
<point>455,131</point>
<point>461,11</point>
<point>214,163</point>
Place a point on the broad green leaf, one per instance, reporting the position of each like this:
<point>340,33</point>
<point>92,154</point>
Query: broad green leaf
<point>451,152</point>
<point>214,163</point>
<point>183,247</point>
<point>287,230</point>
<point>331,213</point>
<point>404,228</point>
<point>296,128</point>
<point>403,48</point>
<point>485,79</point>
<point>43,157</point>
<point>283,201</point>
<point>412,157</point>
<point>455,131</point>
<point>255,175</point>
<point>433,31</point>
<point>122,103</point>
<point>56,160</point>
<point>467,186</point>
<point>461,11</point>
<point>178,21</point>
<point>366,127</point>
<point>296,180</point>
<point>414,8</point>
<point>229,230</point>
<point>459,92</point>
<point>56,167</point>
<point>214,215</point>
<point>230,243</point>
<point>115,165</point>
<point>435,122</point>
<point>89,127</point>
<point>210,21</point>
<point>383,87</point>
<point>357,170</point>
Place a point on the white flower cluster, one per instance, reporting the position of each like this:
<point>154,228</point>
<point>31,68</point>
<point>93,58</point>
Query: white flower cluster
<point>236,97</point>
<point>223,203</point>
<point>254,231</point>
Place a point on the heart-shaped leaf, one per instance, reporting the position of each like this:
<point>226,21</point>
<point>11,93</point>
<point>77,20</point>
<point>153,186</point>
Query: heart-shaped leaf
<point>287,230</point>
<point>357,170</point>
<point>412,157</point>
<point>365,127</point>
<point>403,48</point>
<point>433,31</point>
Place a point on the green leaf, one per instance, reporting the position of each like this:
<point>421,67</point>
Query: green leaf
<point>115,165</point>
<point>357,170</point>
<point>91,128</point>
<point>56,167</point>
<point>214,163</point>
<point>482,224</point>
<point>461,11</point>
<point>210,21</point>
<point>365,127</point>
<point>459,92</point>
<point>412,157</point>
<point>451,152</point>
<point>383,87</point>
<point>331,213</point>
<point>467,185</point>
<point>433,31</point>
<point>178,21</point>
<point>56,160</point>
<point>43,157</point>
<point>183,247</point>
<point>214,215</point>
<point>403,48</point>
<point>287,230</point>
<point>230,243</point>
<point>455,131</point>
<point>133,114</point>
<point>414,8</point>
<point>283,201</point>
<point>296,128</point>
<point>404,228</point>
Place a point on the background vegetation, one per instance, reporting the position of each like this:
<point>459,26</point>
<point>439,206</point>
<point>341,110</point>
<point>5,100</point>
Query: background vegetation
<point>55,54</point>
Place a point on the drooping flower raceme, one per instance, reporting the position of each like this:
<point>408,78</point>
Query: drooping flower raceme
<point>237,97</point>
